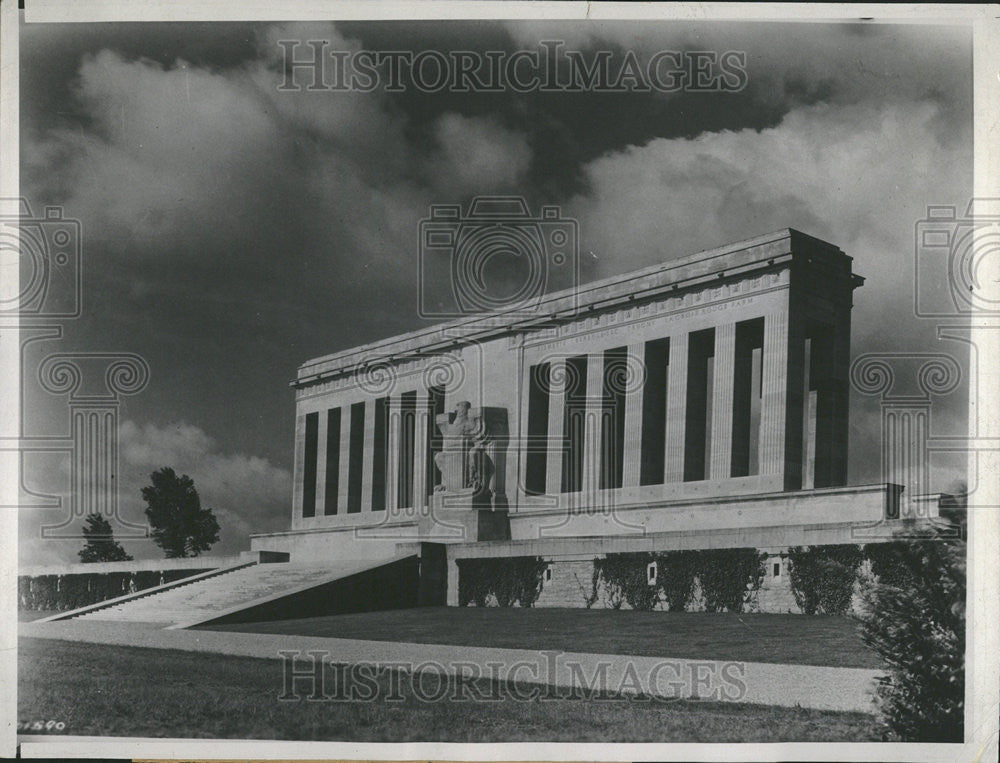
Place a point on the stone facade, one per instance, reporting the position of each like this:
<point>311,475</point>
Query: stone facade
<point>694,403</point>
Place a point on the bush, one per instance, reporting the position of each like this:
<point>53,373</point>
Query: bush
<point>624,577</point>
<point>916,623</point>
<point>822,577</point>
<point>724,574</point>
<point>676,577</point>
<point>509,579</point>
<point>888,562</point>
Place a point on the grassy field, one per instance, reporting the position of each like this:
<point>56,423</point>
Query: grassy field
<point>800,639</point>
<point>129,691</point>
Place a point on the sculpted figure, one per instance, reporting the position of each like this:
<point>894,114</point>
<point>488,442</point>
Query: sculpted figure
<point>461,456</point>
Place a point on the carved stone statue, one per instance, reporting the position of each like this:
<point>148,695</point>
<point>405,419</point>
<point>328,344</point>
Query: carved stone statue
<point>462,458</point>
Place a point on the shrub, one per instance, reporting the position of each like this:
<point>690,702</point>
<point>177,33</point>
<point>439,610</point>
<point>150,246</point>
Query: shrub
<point>888,562</point>
<point>822,577</point>
<point>624,577</point>
<point>724,574</point>
<point>677,571</point>
<point>509,579</point>
<point>916,623</point>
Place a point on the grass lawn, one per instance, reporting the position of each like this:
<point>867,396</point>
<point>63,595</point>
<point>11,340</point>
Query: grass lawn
<point>129,691</point>
<point>800,639</point>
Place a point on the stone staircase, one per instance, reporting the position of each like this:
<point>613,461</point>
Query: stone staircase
<point>211,596</point>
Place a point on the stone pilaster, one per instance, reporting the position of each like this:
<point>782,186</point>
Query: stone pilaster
<point>676,405</point>
<point>392,455</point>
<point>634,388</point>
<point>368,458</point>
<point>300,463</point>
<point>722,401</point>
<point>774,394</point>
<point>420,435</point>
<point>557,398</point>
<point>593,424</point>
<point>321,465</point>
<point>345,459</point>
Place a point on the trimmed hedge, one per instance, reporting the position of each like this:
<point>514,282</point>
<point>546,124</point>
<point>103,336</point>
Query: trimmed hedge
<point>65,592</point>
<point>509,579</point>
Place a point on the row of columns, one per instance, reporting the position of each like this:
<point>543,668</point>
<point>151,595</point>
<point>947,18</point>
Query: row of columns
<point>346,462</point>
<point>779,441</point>
<point>774,416</point>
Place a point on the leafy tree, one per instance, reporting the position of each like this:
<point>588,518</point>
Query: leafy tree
<point>181,527</point>
<point>917,625</point>
<point>100,545</point>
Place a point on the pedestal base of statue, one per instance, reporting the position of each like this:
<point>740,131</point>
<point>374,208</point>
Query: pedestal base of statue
<point>463,516</point>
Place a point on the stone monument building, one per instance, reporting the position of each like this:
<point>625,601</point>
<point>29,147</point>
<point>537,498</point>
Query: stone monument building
<point>701,403</point>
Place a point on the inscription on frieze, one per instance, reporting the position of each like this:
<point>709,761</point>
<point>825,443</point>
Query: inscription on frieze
<point>640,323</point>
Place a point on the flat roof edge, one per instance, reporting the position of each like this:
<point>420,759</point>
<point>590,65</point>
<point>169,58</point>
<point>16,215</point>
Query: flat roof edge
<point>586,295</point>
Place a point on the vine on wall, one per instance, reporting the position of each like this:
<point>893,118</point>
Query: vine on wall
<point>624,578</point>
<point>676,577</point>
<point>724,574</point>
<point>508,579</point>
<point>822,577</point>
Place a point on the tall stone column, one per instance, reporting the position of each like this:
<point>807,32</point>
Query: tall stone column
<point>593,426</point>
<point>774,394</point>
<point>634,389</point>
<point>321,464</point>
<point>392,455</point>
<point>557,404</point>
<point>300,467</point>
<point>420,434</point>
<point>676,405</point>
<point>722,402</point>
<point>368,458</point>
<point>832,401</point>
<point>782,406</point>
<point>343,481</point>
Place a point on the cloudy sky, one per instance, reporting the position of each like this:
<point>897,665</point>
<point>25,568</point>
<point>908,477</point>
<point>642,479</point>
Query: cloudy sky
<point>233,230</point>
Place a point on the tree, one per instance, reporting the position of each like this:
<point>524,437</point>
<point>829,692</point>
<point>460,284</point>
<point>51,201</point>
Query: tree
<point>101,545</point>
<point>181,527</point>
<point>917,625</point>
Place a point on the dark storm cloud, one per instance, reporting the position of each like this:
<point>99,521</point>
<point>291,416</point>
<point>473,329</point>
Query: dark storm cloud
<point>232,231</point>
